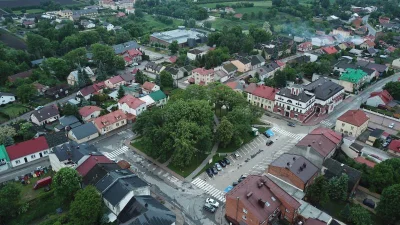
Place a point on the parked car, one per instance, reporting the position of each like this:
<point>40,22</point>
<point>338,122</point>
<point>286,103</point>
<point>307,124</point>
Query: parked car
<point>235,183</point>
<point>391,125</point>
<point>385,144</point>
<point>266,135</point>
<point>235,155</point>
<point>269,142</point>
<point>212,202</point>
<point>209,208</point>
<point>218,166</point>
<point>222,163</point>
<point>242,178</point>
<point>226,160</point>
<point>39,107</point>
<point>369,202</point>
<point>209,172</point>
<point>291,124</point>
<point>375,156</point>
<point>214,171</point>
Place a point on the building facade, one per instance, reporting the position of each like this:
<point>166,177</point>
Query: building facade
<point>352,123</point>
<point>261,96</point>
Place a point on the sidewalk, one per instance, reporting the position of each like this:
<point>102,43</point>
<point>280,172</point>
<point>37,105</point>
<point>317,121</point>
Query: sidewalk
<point>164,167</point>
<point>203,164</point>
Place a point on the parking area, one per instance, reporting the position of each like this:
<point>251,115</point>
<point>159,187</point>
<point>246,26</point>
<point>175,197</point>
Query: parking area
<point>383,123</point>
<point>254,158</point>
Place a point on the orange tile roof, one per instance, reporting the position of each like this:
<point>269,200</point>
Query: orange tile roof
<point>355,117</point>
<point>111,118</point>
<point>131,101</point>
<point>365,161</point>
<point>87,110</point>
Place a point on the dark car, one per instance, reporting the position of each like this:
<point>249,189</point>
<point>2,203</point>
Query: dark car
<point>209,172</point>
<point>235,183</point>
<point>369,202</point>
<point>209,208</point>
<point>291,124</point>
<point>226,160</point>
<point>269,142</point>
<point>242,178</point>
<point>266,135</point>
<point>222,163</point>
<point>214,171</point>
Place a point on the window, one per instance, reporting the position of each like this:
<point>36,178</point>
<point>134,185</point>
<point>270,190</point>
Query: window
<point>341,130</point>
<point>244,217</point>
<point>17,162</point>
<point>287,211</point>
<point>352,128</point>
<point>244,211</point>
<point>122,122</point>
<point>117,124</point>
<point>45,152</point>
<point>33,156</point>
<point>342,124</point>
<point>351,133</point>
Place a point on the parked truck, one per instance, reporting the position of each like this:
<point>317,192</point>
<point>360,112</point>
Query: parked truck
<point>42,183</point>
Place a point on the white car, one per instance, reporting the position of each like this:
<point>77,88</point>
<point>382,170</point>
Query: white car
<point>212,202</point>
<point>391,125</point>
<point>39,107</point>
<point>219,168</point>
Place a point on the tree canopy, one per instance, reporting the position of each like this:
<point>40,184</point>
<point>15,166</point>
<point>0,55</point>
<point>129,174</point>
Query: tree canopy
<point>9,201</point>
<point>317,193</point>
<point>86,209</point>
<point>66,183</point>
<point>389,206</point>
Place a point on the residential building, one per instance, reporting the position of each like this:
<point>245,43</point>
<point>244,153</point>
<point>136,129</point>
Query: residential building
<point>365,161</point>
<point>149,87</point>
<point>327,95</point>
<point>58,91</point>
<point>294,102</point>
<point>88,113</point>
<point>128,78</point>
<point>367,44</point>
<point>268,70</point>
<point>72,154</point>
<point>154,67</point>
<point>238,86</point>
<point>83,133</point>
<point>319,143</point>
<point>220,75</point>
<point>304,47</point>
<point>396,63</point>
<point>21,75</point>
<point>376,134</point>
<point>352,123</point>
<point>159,98</point>
<point>47,114</point>
<point>194,53</point>
<point>184,37</point>
<point>90,90</point>
<point>114,82</point>
<point>343,65</point>
<point>329,50</point>
<point>229,69</point>
<point>4,159</point>
<point>67,123</point>
<point>378,98</point>
<point>242,63</point>
<point>27,151</point>
<point>73,78</point>
<point>394,147</point>
<point>148,100</point>
<point>332,168</point>
<point>261,96</point>
<point>294,169</point>
<point>257,61</point>
<point>121,49</point>
<point>111,121</point>
<point>202,76</point>
<point>353,79</point>
<point>258,200</point>
<point>88,24</point>
<point>6,98</point>
<point>343,32</point>
<point>131,105</point>
<point>65,13</point>
<point>135,55</point>
<point>373,66</point>
<point>108,26</point>
<point>84,13</point>
<point>41,89</point>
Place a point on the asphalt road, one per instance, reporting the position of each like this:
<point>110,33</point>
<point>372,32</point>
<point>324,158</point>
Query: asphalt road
<point>12,173</point>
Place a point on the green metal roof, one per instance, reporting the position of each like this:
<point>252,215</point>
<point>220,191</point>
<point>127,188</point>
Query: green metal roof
<point>3,153</point>
<point>353,75</point>
<point>157,95</point>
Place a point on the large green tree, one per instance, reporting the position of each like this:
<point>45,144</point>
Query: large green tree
<point>360,216</point>
<point>225,132</point>
<point>86,209</point>
<point>38,45</point>
<point>26,92</point>
<point>317,193</point>
<point>105,54</point>
<point>7,132</point>
<point>385,174</point>
<point>57,67</point>
<point>393,88</point>
<point>389,206</point>
<point>173,47</point>
<point>10,196</point>
<point>121,92</point>
<point>66,183</point>
<point>166,79</point>
<point>76,57</point>
<point>338,187</point>
<point>140,77</point>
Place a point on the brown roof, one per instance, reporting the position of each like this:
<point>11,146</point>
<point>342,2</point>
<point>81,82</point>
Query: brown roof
<point>87,110</point>
<point>312,221</point>
<point>262,188</point>
<point>297,164</point>
<point>354,117</point>
<point>21,75</point>
<point>109,119</point>
<point>203,71</point>
<point>148,85</point>
<point>365,161</point>
<point>264,92</point>
<point>319,142</point>
<point>131,101</point>
<point>335,137</point>
<point>250,88</point>
<point>115,79</point>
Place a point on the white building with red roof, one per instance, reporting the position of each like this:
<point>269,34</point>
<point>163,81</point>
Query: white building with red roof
<point>305,47</point>
<point>131,105</point>
<point>114,82</point>
<point>149,87</point>
<point>379,98</point>
<point>88,113</point>
<point>261,96</point>
<point>202,76</point>
<point>394,147</point>
<point>352,123</point>
<point>110,122</point>
<point>27,151</point>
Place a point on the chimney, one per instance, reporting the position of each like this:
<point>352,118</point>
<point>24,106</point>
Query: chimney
<point>261,203</point>
<point>308,151</point>
<point>304,165</point>
<point>288,164</point>
<point>249,194</point>
<point>260,184</point>
<point>294,158</point>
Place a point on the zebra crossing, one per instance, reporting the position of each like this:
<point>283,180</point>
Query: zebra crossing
<point>112,155</point>
<point>126,134</point>
<point>209,189</point>
<point>290,134</point>
<point>327,123</point>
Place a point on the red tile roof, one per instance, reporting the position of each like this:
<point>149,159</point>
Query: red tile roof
<point>238,15</point>
<point>90,162</point>
<point>357,22</point>
<point>355,117</point>
<point>148,85</point>
<point>369,43</point>
<point>134,52</point>
<point>329,50</point>
<point>384,95</point>
<point>395,145</point>
<point>173,59</point>
<point>131,101</point>
<point>305,45</point>
<point>120,14</point>
<point>280,63</point>
<point>134,71</point>
<point>127,59</point>
<point>319,142</point>
<point>115,79</point>
<point>265,92</point>
<point>99,86</point>
<point>232,84</point>
<point>391,49</point>
<point>27,148</point>
<point>87,110</point>
<point>109,119</point>
<point>312,221</point>
<point>203,71</point>
<point>21,75</point>
<point>365,161</point>
<point>333,136</point>
<point>87,90</point>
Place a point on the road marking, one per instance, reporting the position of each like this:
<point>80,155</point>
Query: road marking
<point>209,189</point>
<point>112,155</point>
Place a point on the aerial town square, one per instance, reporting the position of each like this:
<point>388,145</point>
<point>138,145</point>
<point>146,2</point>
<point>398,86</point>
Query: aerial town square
<point>199,112</point>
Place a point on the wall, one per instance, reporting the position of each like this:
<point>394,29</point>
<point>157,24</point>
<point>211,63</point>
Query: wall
<point>348,86</point>
<point>55,163</point>
<point>261,102</point>
<point>111,127</point>
<point>45,153</point>
<point>350,129</point>
<point>287,175</point>
<point>85,139</point>
<point>124,107</point>
<point>6,99</point>
<point>92,116</point>
<point>234,209</point>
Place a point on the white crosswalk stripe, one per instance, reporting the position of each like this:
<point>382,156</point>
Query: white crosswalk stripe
<point>327,123</point>
<point>209,189</point>
<point>112,155</point>
<point>287,133</point>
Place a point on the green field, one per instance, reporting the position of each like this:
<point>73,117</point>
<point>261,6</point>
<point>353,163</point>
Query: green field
<point>184,172</point>
<point>14,110</point>
<point>257,4</point>
<point>152,25</point>
<point>18,12</point>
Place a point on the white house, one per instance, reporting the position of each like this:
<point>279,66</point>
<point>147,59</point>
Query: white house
<point>396,63</point>
<point>149,87</point>
<point>27,151</point>
<point>47,114</point>
<point>108,26</point>
<point>89,112</point>
<point>6,98</point>
<point>148,100</point>
<point>194,53</point>
<point>73,77</point>
<point>110,122</point>
<point>83,133</point>
<point>132,105</point>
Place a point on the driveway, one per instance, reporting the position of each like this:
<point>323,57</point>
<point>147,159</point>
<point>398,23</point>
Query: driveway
<point>383,123</point>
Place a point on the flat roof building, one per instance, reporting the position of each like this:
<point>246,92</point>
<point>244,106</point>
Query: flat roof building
<point>183,36</point>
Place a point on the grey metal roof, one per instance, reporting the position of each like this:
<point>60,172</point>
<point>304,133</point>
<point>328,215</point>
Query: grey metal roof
<point>37,62</point>
<point>376,133</point>
<point>84,130</point>
<point>56,138</point>
<point>146,210</point>
<point>73,151</point>
<point>356,146</point>
<point>323,88</point>
<point>302,96</point>
<point>179,35</point>
<point>257,59</point>
<point>297,164</point>
<point>6,94</point>
<point>336,169</point>
<point>313,155</point>
<point>122,186</point>
<point>121,48</point>
<point>98,171</point>
<point>68,120</point>
<point>84,11</point>
<point>46,112</point>
<point>345,65</point>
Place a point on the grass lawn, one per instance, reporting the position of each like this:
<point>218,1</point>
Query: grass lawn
<point>18,12</point>
<point>152,25</point>
<point>257,4</point>
<point>216,158</point>
<point>139,145</point>
<point>14,110</point>
<point>184,172</point>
